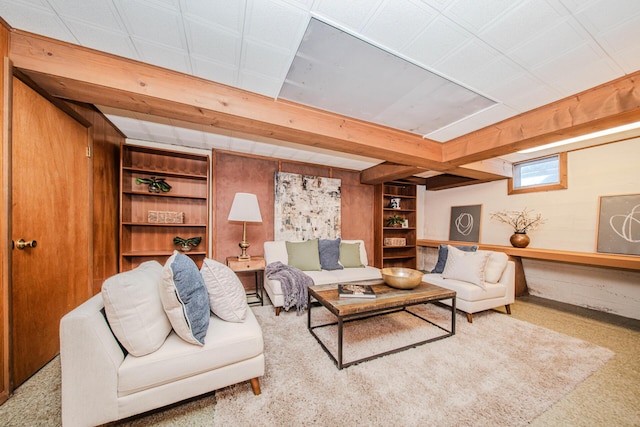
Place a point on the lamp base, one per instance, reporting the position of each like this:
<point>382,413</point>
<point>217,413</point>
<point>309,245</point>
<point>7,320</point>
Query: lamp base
<point>244,245</point>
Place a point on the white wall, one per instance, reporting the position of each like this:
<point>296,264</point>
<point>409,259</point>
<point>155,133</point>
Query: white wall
<point>571,223</point>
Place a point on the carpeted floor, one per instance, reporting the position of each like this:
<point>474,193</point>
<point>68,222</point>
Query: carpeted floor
<point>609,397</point>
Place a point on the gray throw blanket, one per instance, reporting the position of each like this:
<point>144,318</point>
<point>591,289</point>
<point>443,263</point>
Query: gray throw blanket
<point>294,284</point>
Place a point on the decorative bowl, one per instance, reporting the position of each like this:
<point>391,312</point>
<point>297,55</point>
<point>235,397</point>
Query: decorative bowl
<point>401,277</point>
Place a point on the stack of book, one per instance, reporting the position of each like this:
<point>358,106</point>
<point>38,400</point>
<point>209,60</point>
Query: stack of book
<point>355,291</point>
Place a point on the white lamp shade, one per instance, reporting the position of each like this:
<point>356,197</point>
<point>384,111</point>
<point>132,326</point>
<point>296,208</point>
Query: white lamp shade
<point>245,208</point>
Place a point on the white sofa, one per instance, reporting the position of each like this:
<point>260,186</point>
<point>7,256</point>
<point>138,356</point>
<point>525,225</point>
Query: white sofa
<point>101,383</point>
<point>277,251</point>
<point>494,288</point>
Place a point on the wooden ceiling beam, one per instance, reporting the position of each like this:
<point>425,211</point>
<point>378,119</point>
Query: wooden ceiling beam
<point>611,104</point>
<point>80,74</point>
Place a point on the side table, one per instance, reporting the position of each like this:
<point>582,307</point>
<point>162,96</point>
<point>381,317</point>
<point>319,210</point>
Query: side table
<point>256,265</point>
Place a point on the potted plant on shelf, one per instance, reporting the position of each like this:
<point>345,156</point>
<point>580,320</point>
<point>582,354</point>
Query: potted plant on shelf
<point>156,185</point>
<point>186,244</point>
<point>395,221</point>
<point>521,222</point>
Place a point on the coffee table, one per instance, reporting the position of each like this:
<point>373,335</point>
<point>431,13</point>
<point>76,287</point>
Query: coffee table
<point>387,300</point>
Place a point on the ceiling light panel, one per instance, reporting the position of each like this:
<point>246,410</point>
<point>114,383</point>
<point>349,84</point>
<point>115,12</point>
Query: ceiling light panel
<point>337,72</point>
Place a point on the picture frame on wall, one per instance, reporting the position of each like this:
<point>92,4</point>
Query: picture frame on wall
<point>464,224</point>
<point>618,230</point>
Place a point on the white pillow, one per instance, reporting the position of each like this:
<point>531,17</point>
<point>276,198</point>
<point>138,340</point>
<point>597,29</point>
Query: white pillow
<point>466,266</point>
<point>496,264</point>
<point>134,309</point>
<point>227,297</point>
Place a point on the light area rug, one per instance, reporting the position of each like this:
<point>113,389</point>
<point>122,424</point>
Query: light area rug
<point>495,371</point>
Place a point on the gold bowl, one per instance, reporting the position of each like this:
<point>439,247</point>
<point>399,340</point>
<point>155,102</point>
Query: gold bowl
<point>401,277</point>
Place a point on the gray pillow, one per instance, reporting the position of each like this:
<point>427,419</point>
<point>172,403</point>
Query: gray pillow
<point>185,298</point>
<point>329,254</point>
<point>443,252</point>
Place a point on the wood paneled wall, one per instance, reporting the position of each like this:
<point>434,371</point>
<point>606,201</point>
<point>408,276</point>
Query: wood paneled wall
<point>235,173</point>
<point>105,155</point>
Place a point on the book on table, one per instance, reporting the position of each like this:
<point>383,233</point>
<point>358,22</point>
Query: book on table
<point>355,291</point>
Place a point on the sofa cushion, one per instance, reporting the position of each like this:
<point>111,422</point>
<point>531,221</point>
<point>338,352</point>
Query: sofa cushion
<point>363,251</point>
<point>443,251</point>
<point>350,255</point>
<point>185,298</point>
<point>304,255</point>
<point>226,343</point>
<point>496,264</point>
<point>466,266</point>
<point>329,254</point>
<point>227,297</point>
<point>134,309</point>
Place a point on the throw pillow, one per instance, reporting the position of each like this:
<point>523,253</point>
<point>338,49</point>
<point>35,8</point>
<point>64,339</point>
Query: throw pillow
<point>442,256</point>
<point>329,254</point>
<point>185,298</point>
<point>304,255</point>
<point>134,310</point>
<point>350,255</point>
<point>227,297</point>
<point>465,266</point>
<point>496,264</point>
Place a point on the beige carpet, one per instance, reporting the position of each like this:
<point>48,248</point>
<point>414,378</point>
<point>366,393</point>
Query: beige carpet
<point>305,385</point>
<point>496,371</point>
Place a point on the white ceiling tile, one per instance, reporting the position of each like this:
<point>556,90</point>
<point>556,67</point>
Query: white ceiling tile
<point>474,15</point>
<point>223,13</point>
<point>163,56</point>
<point>103,39</point>
<point>153,23</point>
<point>398,21</point>
<point>213,42</point>
<point>265,59</point>
<point>622,37</point>
<point>437,4</point>
<point>461,63</point>
<point>353,14</point>
<point>629,59</point>
<point>548,44</point>
<point>276,23</point>
<point>220,73</point>
<point>96,12</point>
<point>521,24</point>
<point>36,18</point>
<point>259,83</point>
<point>479,120</point>
<point>524,93</point>
<point>578,70</point>
<point>437,40</point>
<point>605,15</point>
<point>492,73</point>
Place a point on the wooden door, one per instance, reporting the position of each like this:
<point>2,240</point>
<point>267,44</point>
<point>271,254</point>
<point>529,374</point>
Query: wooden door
<point>51,205</point>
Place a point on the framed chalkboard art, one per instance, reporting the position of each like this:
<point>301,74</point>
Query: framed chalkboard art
<point>464,225</point>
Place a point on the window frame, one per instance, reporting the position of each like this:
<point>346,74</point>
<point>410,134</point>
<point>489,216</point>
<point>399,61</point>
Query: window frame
<point>563,183</point>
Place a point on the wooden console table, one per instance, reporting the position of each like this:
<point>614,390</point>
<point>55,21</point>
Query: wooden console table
<point>627,262</point>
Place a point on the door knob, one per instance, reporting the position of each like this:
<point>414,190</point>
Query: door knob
<point>21,244</point>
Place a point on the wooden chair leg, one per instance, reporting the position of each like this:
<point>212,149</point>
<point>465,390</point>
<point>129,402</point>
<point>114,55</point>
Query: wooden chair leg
<point>508,308</point>
<point>469,318</point>
<point>278,311</point>
<point>255,386</point>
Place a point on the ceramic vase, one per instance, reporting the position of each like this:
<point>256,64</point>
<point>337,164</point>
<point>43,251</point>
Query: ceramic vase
<point>519,240</point>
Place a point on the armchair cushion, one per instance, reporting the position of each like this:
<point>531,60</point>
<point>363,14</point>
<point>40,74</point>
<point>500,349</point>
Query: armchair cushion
<point>466,266</point>
<point>185,298</point>
<point>496,264</point>
<point>443,251</point>
<point>134,310</point>
<point>227,297</point>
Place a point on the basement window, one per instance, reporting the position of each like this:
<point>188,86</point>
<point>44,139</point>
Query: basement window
<point>541,174</point>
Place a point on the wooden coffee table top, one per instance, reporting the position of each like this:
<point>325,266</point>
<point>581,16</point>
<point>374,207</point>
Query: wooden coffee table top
<point>386,297</point>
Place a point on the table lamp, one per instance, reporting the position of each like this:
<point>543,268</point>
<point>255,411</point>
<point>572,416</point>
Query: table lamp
<point>245,208</point>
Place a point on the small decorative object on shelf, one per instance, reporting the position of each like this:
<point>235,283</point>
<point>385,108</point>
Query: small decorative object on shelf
<point>185,244</point>
<point>394,203</point>
<point>156,185</point>
<point>395,221</point>
<point>521,222</point>
<point>356,291</point>
<point>165,217</point>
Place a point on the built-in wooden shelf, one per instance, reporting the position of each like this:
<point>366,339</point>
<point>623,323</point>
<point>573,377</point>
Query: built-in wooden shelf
<point>628,262</point>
